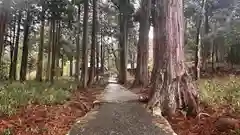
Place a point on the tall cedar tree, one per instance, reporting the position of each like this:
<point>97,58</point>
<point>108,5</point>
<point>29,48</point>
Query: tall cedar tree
<point>40,51</point>
<point>84,76</point>
<point>141,77</point>
<point>93,47</point>
<point>27,24</point>
<point>123,4</point>
<point>172,86</point>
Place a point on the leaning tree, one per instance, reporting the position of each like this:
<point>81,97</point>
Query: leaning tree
<point>172,86</point>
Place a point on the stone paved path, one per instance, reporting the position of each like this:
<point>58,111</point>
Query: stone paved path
<point>117,116</point>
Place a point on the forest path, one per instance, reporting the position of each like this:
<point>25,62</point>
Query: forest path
<point>120,114</point>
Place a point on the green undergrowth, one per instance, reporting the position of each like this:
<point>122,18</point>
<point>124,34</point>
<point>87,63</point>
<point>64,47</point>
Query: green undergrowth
<point>16,94</point>
<point>221,91</point>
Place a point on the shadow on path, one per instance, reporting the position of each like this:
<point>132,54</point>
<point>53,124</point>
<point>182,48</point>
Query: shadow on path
<point>118,116</point>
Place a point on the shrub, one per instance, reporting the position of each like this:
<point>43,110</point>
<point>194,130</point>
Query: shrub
<point>14,95</point>
<point>224,91</point>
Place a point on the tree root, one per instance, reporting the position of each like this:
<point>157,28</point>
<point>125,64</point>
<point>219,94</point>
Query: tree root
<point>180,93</point>
<point>204,114</point>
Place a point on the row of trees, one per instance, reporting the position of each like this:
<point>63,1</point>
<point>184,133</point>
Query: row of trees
<point>61,31</point>
<point>49,28</point>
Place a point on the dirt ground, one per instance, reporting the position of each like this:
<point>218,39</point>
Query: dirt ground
<point>48,120</point>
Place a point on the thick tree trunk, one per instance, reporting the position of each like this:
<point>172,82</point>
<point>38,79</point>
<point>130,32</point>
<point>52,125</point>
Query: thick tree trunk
<point>40,50</point>
<point>77,66</point>
<point>93,47</point>
<point>141,77</point>
<point>84,75</point>
<point>172,86</point>
<point>48,72</point>
<point>123,41</point>
<point>23,70</point>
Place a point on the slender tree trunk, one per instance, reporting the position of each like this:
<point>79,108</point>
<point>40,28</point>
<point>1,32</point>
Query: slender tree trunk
<point>217,50</point>
<point>4,13</point>
<point>11,43</point>
<point>93,47</point>
<point>48,73</point>
<point>62,64</point>
<point>198,42</point>
<point>213,53</point>
<point>77,69</point>
<point>155,49</point>
<point>102,53</point>
<point>172,86</point>
<point>141,77</point>
<point>97,56</point>
<point>15,52</point>
<point>123,41</point>
<point>85,46</point>
<point>57,48</point>
<point>206,44</point>
<point>12,49</point>
<point>40,50</point>
<point>71,66</point>
<point>23,70</point>
<point>53,56</point>
<point>198,49</point>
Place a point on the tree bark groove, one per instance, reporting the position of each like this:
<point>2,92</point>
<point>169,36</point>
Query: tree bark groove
<point>172,85</point>
<point>141,77</point>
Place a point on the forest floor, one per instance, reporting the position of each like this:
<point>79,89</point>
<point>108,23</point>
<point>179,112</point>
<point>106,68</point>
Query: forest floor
<point>41,109</point>
<point>220,107</point>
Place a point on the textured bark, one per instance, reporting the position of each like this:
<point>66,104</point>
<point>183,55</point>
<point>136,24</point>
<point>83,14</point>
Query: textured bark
<point>84,75</point>
<point>40,50</point>
<point>141,77</point>
<point>93,47</point>
<point>77,66</point>
<point>123,41</point>
<point>23,70</point>
<point>172,85</point>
